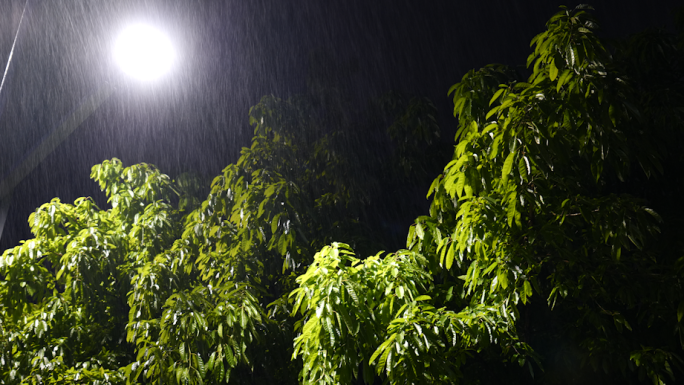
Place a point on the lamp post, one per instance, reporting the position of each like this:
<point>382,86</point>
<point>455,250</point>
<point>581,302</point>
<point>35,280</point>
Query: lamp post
<point>142,52</point>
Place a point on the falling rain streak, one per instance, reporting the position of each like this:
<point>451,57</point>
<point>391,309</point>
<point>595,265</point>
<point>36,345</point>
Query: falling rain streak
<point>229,54</point>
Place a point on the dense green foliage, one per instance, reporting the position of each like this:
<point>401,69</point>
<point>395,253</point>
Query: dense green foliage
<point>164,287</point>
<point>551,252</point>
<point>542,247</point>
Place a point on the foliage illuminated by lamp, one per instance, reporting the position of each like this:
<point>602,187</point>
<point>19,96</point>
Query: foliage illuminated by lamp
<point>551,253</point>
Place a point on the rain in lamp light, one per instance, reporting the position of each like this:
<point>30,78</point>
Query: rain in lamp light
<point>141,51</point>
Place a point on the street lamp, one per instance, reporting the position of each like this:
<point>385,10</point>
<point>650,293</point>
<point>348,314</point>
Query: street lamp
<point>142,52</point>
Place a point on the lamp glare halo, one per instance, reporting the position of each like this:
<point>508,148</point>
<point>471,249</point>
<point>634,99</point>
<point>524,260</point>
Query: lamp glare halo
<point>143,52</point>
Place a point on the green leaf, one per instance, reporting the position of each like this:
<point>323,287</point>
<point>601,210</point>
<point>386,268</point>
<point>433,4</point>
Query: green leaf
<point>553,71</point>
<point>502,276</point>
<point>494,149</point>
<point>450,293</point>
<point>527,288</point>
<point>468,190</point>
<point>434,186</point>
<point>491,267</point>
<point>382,348</point>
<point>507,167</point>
<point>201,366</point>
<point>210,364</point>
<point>400,292</point>
<point>523,167</point>
<point>463,159</point>
<point>243,319</point>
<point>492,112</point>
<point>496,95</point>
<point>460,184</point>
<point>450,256</point>
<point>512,210</point>
<point>419,230</point>
<point>567,74</point>
<point>274,223</point>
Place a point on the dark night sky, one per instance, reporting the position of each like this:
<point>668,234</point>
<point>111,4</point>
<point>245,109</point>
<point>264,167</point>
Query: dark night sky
<point>231,54</point>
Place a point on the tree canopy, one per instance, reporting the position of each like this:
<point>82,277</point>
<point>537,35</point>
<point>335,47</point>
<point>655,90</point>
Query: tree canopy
<point>168,285</point>
<point>551,252</point>
<point>542,247</point>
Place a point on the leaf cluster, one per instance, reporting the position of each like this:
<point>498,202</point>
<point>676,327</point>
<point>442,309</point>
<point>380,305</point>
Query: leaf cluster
<point>544,201</point>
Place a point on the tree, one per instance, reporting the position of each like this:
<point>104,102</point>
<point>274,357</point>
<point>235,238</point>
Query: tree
<point>551,252</point>
<point>165,287</point>
<point>542,248</point>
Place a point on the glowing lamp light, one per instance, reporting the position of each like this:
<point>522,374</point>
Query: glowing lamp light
<point>143,52</point>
